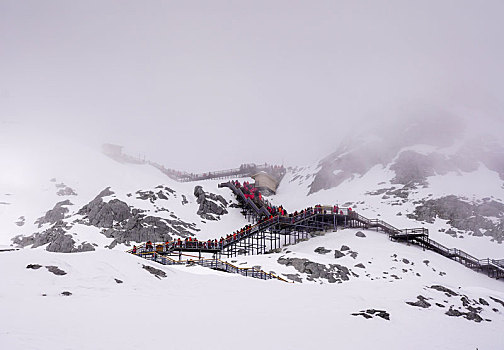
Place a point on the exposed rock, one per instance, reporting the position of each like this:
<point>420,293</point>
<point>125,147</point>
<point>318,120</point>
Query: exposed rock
<point>453,312</point>
<point>414,168</point>
<point>294,277</point>
<point>497,301</point>
<point>360,266</point>
<point>322,250</point>
<point>21,221</point>
<point>360,234</point>
<point>56,238</point>
<point>344,247</point>
<point>483,302</point>
<point>421,302</point>
<point>64,190</point>
<point>56,270</point>
<point>483,218</point>
<point>333,273</point>
<point>156,272</point>
<point>373,312</point>
<point>338,254</point>
<point>33,266</point>
<point>105,214</point>
<point>447,291</point>
<point>211,206</point>
<point>127,225</point>
<point>54,215</point>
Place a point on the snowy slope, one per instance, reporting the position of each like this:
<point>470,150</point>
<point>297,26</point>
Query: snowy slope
<point>193,307</point>
<point>116,303</point>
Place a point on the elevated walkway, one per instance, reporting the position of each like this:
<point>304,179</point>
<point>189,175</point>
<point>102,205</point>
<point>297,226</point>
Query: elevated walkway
<point>271,232</point>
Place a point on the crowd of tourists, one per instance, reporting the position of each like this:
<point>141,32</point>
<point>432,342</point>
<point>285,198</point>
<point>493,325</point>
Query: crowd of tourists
<point>276,213</point>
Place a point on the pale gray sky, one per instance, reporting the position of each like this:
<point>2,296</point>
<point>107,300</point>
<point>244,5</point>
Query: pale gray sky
<point>203,85</point>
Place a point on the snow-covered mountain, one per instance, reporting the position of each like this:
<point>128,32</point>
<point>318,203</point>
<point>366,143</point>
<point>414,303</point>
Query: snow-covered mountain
<point>355,290</point>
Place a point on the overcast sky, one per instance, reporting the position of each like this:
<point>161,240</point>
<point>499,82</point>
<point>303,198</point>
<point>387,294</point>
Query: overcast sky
<point>203,85</point>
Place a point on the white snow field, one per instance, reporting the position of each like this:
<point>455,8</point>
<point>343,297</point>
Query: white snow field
<point>115,303</point>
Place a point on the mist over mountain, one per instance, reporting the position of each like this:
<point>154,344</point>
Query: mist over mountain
<point>377,222</point>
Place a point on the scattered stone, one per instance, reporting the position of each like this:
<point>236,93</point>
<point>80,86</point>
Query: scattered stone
<point>421,302</point>
<point>440,305</point>
<point>344,248</point>
<point>118,281</point>
<point>353,254</point>
<point>406,261</point>
<point>360,234</point>
<point>373,312</point>
<point>363,314</point>
<point>67,294</point>
<point>448,292</point>
<point>453,312</point>
<point>56,270</point>
<point>497,301</point>
<point>360,266</point>
<point>322,250</point>
<point>156,272</point>
<point>380,313</point>
<point>33,266</point>
<point>483,302</point>
<point>21,221</point>
<point>334,273</point>
<point>338,254</point>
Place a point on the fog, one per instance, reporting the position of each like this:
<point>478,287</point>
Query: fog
<point>204,85</point>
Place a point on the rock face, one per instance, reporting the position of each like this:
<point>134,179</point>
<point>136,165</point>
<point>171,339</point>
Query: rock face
<point>480,218</point>
<point>56,237</point>
<point>127,225</point>
<point>211,206</point>
<point>54,215</point>
<point>334,273</point>
<point>104,214</point>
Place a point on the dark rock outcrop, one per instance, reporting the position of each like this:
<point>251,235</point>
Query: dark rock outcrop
<point>421,302</point>
<point>154,271</point>
<point>54,215</point>
<point>485,217</point>
<point>56,238</point>
<point>322,250</point>
<point>56,270</point>
<point>334,273</point>
<point>211,206</point>
<point>367,314</point>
